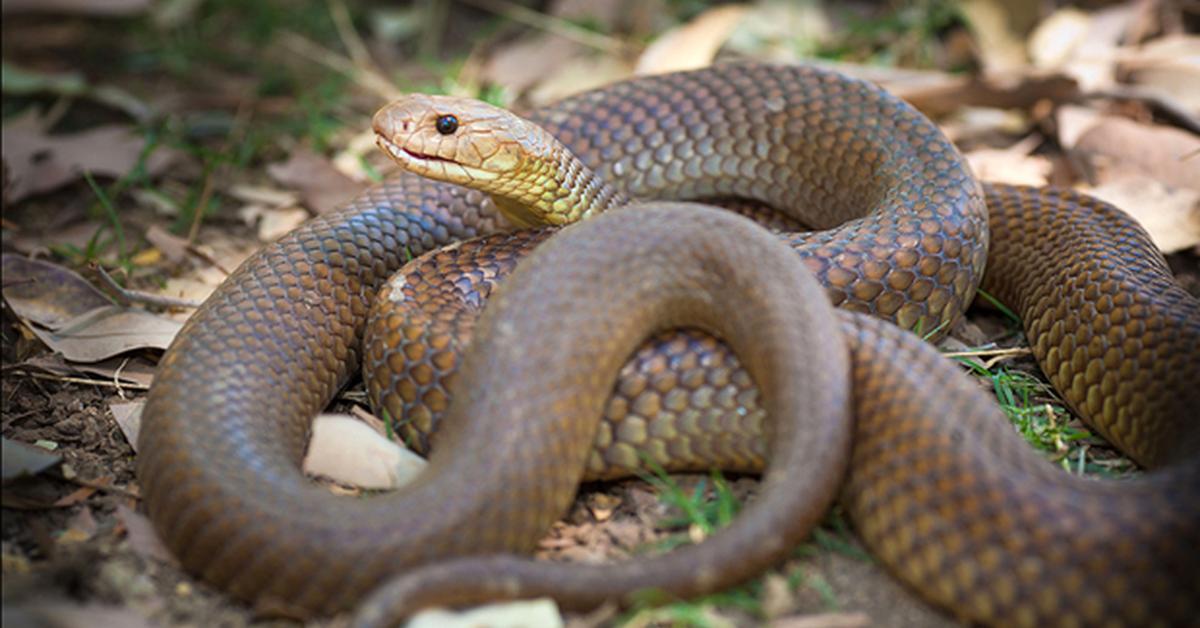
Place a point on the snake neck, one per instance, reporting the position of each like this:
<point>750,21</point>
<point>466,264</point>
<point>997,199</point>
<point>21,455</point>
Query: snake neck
<point>554,187</point>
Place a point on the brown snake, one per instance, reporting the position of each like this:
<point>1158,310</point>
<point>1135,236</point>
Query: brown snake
<point>939,487</point>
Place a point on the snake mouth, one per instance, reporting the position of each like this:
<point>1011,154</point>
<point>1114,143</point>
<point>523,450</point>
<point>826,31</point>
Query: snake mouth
<point>432,165</point>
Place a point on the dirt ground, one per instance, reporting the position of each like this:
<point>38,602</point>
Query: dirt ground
<point>76,551</point>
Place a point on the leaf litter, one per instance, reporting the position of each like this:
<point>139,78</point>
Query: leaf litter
<point>1136,76</point>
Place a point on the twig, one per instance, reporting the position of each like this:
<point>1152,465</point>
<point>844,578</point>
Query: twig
<point>996,355</point>
<point>364,77</point>
<point>556,26</point>
<point>350,39</point>
<point>128,295</point>
<point>82,380</point>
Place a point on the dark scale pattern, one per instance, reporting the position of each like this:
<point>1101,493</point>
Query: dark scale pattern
<point>227,420</point>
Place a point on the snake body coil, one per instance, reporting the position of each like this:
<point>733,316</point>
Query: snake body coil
<point>940,488</point>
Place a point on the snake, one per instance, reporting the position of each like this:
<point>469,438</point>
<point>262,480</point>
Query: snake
<point>937,484</point>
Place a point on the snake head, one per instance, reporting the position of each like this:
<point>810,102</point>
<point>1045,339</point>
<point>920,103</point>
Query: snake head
<point>457,140</point>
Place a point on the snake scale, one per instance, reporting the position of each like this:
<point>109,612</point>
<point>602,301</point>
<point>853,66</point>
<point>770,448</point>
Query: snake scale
<point>939,487</point>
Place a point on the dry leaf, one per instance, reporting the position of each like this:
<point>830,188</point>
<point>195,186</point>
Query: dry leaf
<point>173,247</point>
<point>144,541</point>
<point>1169,66</point>
<point>577,75</point>
<point>133,371</point>
<point>1013,165</point>
<point>62,613</point>
<point>23,459</point>
<point>824,620</point>
<point>322,187</point>
<point>349,451</point>
<point>129,418</point>
<point>108,331</point>
<point>1170,215</point>
<point>997,27</point>
<point>1082,45</point>
<point>539,613</point>
<point>39,162</point>
<point>80,528</point>
<point>692,45</point>
<point>1115,146</point>
<point>46,293</point>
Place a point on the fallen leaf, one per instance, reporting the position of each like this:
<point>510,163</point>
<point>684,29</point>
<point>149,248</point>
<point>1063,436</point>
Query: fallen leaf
<point>322,187</point>
<point>691,45</point>
<point>784,32</point>
<point>108,331</point>
<point>349,451</point>
<point>1082,45</point>
<point>80,528</point>
<point>1114,147</point>
<point>520,65</point>
<point>46,293</point>
<point>133,371</point>
<point>998,29</point>
<point>21,459</point>
<point>173,247</point>
<point>275,223</point>
<point>824,620</point>
<point>128,415</point>
<point>143,539</point>
<point>70,614</point>
<point>1013,165</point>
<point>39,162</point>
<point>1171,215</point>
<point>577,75</point>
<point>1169,65</point>
<point>539,613</point>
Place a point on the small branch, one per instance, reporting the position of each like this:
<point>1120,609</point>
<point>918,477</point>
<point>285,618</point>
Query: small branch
<point>82,380</point>
<point>128,296</point>
<point>350,39</point>
<point>366,78</point>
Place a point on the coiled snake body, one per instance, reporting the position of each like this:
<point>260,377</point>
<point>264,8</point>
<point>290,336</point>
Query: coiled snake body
<point>939,487</point>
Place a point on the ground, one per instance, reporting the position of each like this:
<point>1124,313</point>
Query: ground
<point>208,128</point>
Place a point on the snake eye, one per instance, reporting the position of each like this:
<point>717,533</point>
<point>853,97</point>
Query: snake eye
<point>447,124</point>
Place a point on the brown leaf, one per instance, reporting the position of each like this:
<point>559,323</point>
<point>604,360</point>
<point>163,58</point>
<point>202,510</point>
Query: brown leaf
<point>1170,215</point>
<point>39,162</point>
<point>322,187</point>
<point>71,614</point>
<point>129,418</point>
<point>46,293</point>
<point>173,247</point>
<point>144,541</point>
<point>1115,147</point>
<point>131,371</point>
<point>21,459</point>
<point>824,620</point>
<point>692,45</point>
<point>108,331</point>
<point>1169,66</point>
<point>1013,165</point>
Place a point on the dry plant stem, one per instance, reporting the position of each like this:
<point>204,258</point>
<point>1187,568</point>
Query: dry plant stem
<point>129,295</point>
<point>364,77</point>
